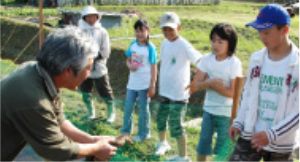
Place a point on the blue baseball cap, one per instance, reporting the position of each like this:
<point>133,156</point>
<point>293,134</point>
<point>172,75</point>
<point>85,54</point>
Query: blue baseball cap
<point>271,14</point>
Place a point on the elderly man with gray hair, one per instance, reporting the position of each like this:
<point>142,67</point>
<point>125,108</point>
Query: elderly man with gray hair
<point>31,110</point>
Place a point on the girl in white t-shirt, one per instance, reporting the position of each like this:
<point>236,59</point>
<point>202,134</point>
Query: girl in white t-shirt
<point>141,61</point>
<point>216,73</point>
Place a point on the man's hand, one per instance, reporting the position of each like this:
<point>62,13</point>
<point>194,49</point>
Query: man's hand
<point>121,140</point>
<point>233,132</point>
<point>99,138</point>
<point>104,150</point>
<point>259,140</point>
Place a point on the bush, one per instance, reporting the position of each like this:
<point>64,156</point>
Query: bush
<point>19,39</point>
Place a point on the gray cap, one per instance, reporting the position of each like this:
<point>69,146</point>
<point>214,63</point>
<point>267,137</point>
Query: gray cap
<point>169,19</point>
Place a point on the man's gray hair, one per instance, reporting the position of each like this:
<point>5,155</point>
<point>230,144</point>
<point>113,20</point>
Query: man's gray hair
<point>69,47</point>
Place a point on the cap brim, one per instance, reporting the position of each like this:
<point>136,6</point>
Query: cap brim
<point>171,25</point>
<point>259,26</point>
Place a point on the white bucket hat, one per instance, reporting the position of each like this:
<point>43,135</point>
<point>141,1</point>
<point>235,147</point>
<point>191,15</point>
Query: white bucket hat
<point>90,10</point>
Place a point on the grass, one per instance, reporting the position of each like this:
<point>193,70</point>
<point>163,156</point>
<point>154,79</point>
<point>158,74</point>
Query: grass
<point>75,111</point>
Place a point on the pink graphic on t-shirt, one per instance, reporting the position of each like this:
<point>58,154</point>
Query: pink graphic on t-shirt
<point>136,60</point>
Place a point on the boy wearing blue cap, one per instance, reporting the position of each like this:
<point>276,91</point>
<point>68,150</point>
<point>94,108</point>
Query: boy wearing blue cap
<point>268,117</point>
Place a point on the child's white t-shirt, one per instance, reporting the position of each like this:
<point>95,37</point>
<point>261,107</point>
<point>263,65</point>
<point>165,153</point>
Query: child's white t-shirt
<point>174,76</point>
<point>143,56</point>
<point>272,80</point>
<point>226,70</point>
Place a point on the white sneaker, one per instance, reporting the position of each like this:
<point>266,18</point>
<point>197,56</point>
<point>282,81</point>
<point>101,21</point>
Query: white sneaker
<point>162,148</point>
<point>111,118</point>
<point>137,138</point>
<point>180,158</point>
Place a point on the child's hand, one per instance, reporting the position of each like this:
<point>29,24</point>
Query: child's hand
<point>193,87</point>
<point>151,91</point>
<point>233,132</point>
<point>215,83</point>
<point>259,140</point>
<point>132,67</point>
<point>197,86</point>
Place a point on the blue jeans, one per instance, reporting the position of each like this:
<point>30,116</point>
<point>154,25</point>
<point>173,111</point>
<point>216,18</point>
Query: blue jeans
<point>210,124</point>
<point>141,97</point>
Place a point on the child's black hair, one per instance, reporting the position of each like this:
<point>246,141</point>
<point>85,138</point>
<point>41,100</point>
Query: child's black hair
<point>227,32</point>
<point>139,24</point>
